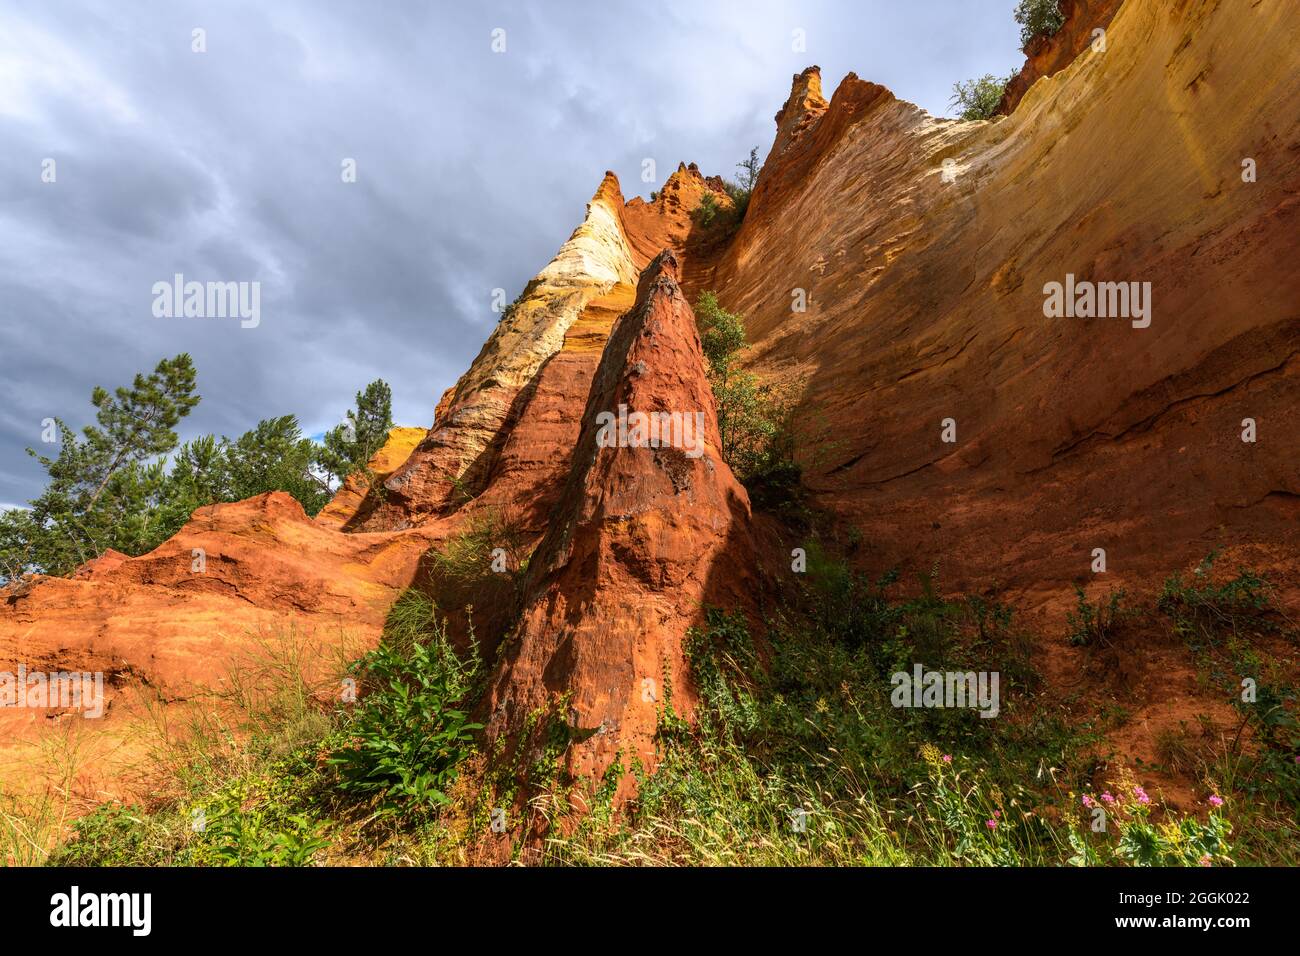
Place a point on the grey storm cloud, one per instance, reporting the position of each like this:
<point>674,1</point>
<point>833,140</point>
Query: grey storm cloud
<point>472,168</point>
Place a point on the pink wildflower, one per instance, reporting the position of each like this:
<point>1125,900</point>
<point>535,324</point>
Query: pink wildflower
<point>1141,795</point>
<point>1088,801</point>
<point>1216,800</point>
<point>947,758</point>
<point>1107,797</point>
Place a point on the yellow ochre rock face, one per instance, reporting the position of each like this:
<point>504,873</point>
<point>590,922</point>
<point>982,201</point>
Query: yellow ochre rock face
<point>350,497</point>
<point>923,249</point>
<point>454,459</point>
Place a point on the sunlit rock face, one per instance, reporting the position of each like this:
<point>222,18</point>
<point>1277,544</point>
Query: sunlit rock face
<point>350,503</point>
<point>531,367</point>
<point>1084,26</point>
<point>908,276</point>
<point>923,248</point>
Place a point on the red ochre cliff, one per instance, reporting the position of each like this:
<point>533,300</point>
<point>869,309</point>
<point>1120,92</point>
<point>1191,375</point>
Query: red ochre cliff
<point>963,425</point>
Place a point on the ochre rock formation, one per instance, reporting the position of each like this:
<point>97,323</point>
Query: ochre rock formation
<point>348,503</point>
<point>1047,56</point>
<point>641,539</point>
<point>926,303</point>
<point>531,369</point>
<point>922,247</point>
<point>175,620</point>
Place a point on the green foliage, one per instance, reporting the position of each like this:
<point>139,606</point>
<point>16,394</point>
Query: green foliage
<point>801,725</point>
<point>402,746</point>
<point>112,835</point>
<point>1037,18</point>
<point>1133,837</point>
<point>348,447</point>
<point>707,211</point>
<point>264,834</point>
<point>978,99</point>
<point>112,488</point>
<point>1095,624</point>
<point>103,485</point>
<point>755,420</point>
<point>742,187</point>
<point>463,568</point>
<point>710,213</point>
<point>262,818</point>
<point>273,456</point>
<point>1205,614</point>
<point>1221,618</point>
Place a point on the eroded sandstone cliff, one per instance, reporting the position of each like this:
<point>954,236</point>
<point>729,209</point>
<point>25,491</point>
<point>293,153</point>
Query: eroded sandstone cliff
<point>925,303</point>
<point>922,247</point>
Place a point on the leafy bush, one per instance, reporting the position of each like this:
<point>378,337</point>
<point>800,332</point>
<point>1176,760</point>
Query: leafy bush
<point>1205,614</point>
<point>1095,624</point>
<point>710,212</point>
<point>112,835</point>
<point>410,731</point>
<point>978,99</point>
<point>1131,836</point>
<point>263,834</point>
<point>1037,18</point>
<point>707,211</point>
<point>755,420</point>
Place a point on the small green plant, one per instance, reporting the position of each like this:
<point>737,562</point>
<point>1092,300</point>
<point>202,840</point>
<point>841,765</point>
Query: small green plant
<point>1205,613</point>
<point>1094,625</point>
<point>410,731</point>
<point>112,835</point>
<point>755,419</point>
<point>978,99</point>
<point>482,563</point>
<point>707,211</point>
<point>1132,837</point>
<point>261,835</point>
<point>710,213</point>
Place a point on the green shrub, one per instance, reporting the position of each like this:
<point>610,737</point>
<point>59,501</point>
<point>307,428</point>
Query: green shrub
<point>755,419</point>
<point>266,833</point>
<point>710,213</point>
<point>978,99</point>
<point>1204,614</point>
<point>410,731</point>
<point>1037,18</point>
<point>1093,625</point>
<point>111,835</point>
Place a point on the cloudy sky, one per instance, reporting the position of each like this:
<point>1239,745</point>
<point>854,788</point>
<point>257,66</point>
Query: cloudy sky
<point>472,167</point>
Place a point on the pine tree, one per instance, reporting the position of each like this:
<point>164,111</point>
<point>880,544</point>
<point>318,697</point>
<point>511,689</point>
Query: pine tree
<point>101,480</point>
<point>349,447</point>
